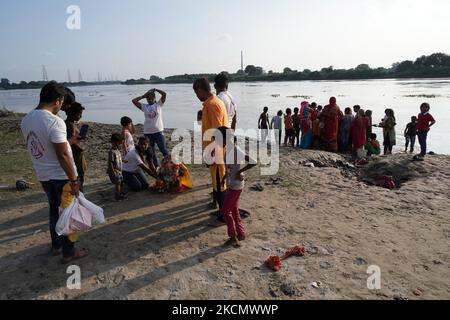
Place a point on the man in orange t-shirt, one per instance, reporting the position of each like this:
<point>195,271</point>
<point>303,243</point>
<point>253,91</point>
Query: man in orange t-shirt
<point>214,116</point>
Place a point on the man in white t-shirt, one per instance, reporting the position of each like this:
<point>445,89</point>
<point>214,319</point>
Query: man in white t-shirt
<point>221,85</point>
<point>153,125</point>
<point>46,140</point>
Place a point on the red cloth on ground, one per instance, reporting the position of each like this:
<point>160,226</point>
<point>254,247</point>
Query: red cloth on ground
<point>274,262</point>
<point>386,182</point>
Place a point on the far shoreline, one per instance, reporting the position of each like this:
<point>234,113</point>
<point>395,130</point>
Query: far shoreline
<point>95,84</point>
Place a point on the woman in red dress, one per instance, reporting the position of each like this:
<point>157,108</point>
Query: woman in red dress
<point>329,119</point>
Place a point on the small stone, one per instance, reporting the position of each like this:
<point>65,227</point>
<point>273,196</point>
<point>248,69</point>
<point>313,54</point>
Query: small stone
<point>274,293</point>
<point>360,261</point>
<point>437,262</point>
<point>288,289</point>
<point>312,250</point>
<point>417,293</point>
<point>325,265</point>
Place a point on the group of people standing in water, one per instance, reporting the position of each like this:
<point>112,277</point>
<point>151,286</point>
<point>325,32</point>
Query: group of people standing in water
<point>328,128</point>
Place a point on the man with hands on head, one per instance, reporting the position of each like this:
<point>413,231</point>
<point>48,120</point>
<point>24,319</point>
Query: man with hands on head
<point>153,125</point>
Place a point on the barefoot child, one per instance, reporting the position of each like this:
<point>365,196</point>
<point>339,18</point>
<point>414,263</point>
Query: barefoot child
<point>410,134</point>
<point>236,162</point>
<point>115,165</point>
<point>128,131</point>
<point>424,122</point>
<point>263,124</point>
<point>289,128</point>
<point>277,124</point>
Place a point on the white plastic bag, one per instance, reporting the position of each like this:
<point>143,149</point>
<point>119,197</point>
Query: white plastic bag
<point>97,213</point>
<point>79,216</point>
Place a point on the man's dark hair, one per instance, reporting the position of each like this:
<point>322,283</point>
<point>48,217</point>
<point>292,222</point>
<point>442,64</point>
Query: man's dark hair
<point>373,136</point>
<point>51,92</point>
<point>116,137</point>
<point>141,152</point>
<point>296,110</point>
<point>69,98</point>
<point>288,111</point>
<point>280,113</point>
<point>221,81</point>
<point>319,108</point>
<point>348,110</point>
<point>202,84</point>
<point>313,105</point>
<point>356,108</point>
<point>125,121</point>
<point>266,109</point>
<point>142,139</point>
<point>74,109</point>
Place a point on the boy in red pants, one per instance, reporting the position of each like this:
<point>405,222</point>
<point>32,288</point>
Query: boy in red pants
<point>236,162</point>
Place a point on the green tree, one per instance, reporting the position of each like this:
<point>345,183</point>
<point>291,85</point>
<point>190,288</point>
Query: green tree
<point>250,70</point>
<point>363,67</point>
<point>155,78</point>
<point>5,82</point>
<point>405,66</point>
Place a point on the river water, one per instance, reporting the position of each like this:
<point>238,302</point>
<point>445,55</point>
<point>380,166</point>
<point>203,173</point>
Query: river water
<point>108,104</point>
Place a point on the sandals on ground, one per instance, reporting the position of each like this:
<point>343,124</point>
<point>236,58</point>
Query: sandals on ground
<point>79,254</point>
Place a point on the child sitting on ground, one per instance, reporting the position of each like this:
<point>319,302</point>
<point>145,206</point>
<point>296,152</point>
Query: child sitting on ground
<point>115,165</point>
<point>373,146</point>
<point>236,162</point>
<point>410,134</point>
<point>127,131</point>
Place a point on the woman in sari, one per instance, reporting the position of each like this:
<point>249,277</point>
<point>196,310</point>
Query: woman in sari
<point>388,124</point>
<point>330,123</point>
<point>358,130</point>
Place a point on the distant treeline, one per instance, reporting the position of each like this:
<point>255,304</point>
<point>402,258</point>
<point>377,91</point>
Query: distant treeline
<point>436,65</point>
<point>7,85</point>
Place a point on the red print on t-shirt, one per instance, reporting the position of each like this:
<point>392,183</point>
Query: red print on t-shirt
<point>35,146</point>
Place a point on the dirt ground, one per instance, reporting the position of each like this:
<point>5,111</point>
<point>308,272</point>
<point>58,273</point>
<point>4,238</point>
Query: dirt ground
<point>161,246</point>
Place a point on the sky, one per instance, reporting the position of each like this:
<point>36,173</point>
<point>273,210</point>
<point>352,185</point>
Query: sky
<point>139,38</point>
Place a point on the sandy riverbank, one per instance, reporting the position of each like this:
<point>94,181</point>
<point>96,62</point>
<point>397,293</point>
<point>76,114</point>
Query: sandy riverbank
<point>170,247</point>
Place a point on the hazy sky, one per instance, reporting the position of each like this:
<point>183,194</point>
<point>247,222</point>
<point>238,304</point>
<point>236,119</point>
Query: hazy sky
<point>138,38</point>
